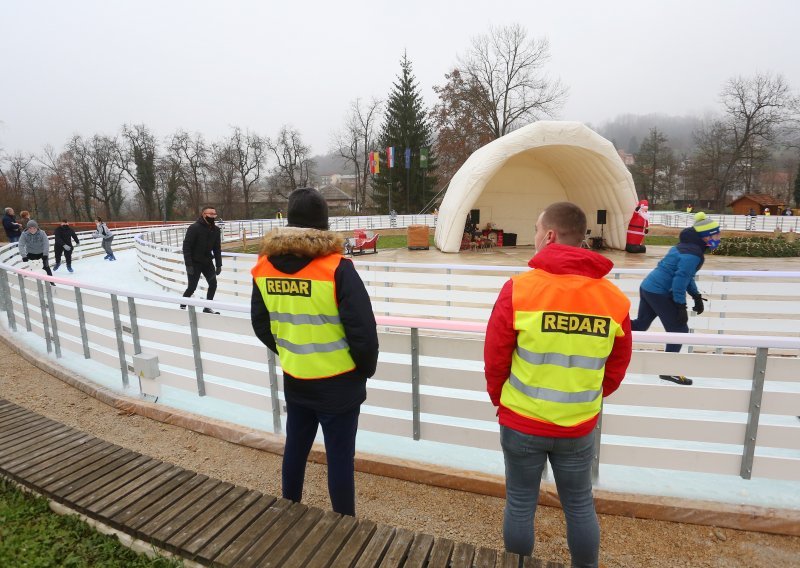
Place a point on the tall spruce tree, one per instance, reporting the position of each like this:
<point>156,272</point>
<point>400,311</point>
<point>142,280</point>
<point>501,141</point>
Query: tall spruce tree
<point>405,125</point>
<point>797,188</point>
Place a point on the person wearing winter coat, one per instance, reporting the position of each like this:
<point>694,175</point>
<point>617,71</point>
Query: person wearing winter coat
<point>63,236</point>
<point>105,233</point>
<point>12,228</point>
<point>663,292</point>
<point>34,245</point>
<point>202,250</point>
<point>558,341</point>
<point>310,306</point>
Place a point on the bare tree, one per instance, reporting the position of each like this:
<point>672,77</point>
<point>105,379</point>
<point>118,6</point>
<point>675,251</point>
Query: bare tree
<point>79,154</point>
<point>247,154</point>
<point>106,174</point>
<point>223,176</point>
<point>355,141</point>
<point>755,108</point>
<point>503,86</point>
<point>64,180</point>
<point>294,163</point>
<point>191,153</point>
<point>15,174</point>
<point>137,158</point>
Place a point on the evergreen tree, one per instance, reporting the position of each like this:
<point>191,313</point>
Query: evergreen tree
<point>405,125</point>
<point>797,188</point>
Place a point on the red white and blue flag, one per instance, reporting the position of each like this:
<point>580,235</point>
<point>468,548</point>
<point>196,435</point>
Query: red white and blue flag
<point>390,156</point>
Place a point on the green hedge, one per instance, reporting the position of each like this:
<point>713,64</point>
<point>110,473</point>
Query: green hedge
<point>757,247</point>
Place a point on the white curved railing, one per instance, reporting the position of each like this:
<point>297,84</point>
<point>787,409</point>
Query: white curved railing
<point>738,418</point>
<point>761,223</point>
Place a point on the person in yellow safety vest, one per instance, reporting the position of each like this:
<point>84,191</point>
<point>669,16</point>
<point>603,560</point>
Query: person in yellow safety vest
<point>310,306</point>
<point>557,342</point>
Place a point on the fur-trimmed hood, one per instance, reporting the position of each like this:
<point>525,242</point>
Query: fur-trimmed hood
<point>307,243</point>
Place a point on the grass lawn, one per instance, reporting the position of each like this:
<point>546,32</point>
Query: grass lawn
<point>33,535</point>
<point>660,240</point>
<point>384,242</point>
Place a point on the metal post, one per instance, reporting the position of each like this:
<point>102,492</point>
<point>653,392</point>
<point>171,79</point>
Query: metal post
<point>415,380</point>
<point>754,412</point>
<point>9,303</point>
<point>137,346</point>
<point>198,359</point>
<point>23,294</point>
<point>53,321</point>
<point>123,364</point>
<point>598,433</point>
<point>82,323</point>
<point>725,278</point>
<point>273,392</point>
<point>43,309</point>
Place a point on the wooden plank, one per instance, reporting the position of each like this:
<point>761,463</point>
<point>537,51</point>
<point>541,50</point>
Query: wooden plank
<point>86,471</point>
<point>419,551</point>
<point>324,555</point>
<point>485,558</point>
<point>240,545</point>
<point>116,485</point>
<point>375,549</point>
<point>20,459</point>
<point>11,413</point>
<point>48,474</point>
<point>209,521</point>
<point>462,556</point>
<point>151,481</point>
<point>27,433</point>
<point>60,456</point>
<point>132,509</point>
<point>440,553</point>
<point>292,539</point>
<point>313,540</point>
<point>176,523</point>
<point>220,542</point>
<point>397,552</point>
<point>286,521</point>
<point>507,560</point>
<point>93,485</point>
<point>234,508</point>
<point>153,516</point>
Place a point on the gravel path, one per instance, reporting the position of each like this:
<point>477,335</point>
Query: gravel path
<point>447,513</point>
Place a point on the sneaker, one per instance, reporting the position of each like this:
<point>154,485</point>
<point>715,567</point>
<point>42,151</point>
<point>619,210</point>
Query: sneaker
<point>106,257</point>
<point>679,379</point>
<point>112,257</point>
<point>209,311</point>
<point>183,306</point>
<point>52,283</point>
<point>56,266</point>
<point>70,269</point>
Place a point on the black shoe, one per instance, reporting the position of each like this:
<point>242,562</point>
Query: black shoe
<point>680,379</point>
<point>183,306</point>
<point>56,267</point>
<point>209,311</point>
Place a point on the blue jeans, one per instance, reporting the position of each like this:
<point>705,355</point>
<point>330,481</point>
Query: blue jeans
<point>571,460</point>
<point>663,306</point>
<point>339,431</point>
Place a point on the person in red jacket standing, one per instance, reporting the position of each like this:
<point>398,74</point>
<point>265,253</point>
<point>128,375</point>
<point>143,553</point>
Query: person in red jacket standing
<point>557,342</point>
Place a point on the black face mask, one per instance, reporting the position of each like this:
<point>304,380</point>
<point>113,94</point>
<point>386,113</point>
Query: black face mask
<point>210,220</point>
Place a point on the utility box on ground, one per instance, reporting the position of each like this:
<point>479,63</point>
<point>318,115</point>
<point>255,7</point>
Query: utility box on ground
<point>418,237</point>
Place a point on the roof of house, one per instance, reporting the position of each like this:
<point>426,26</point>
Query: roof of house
<point>333,193</point>
<point>760,198</point>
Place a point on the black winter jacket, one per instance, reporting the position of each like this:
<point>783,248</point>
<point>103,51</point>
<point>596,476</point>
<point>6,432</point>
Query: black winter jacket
<point>289,250</point>
<point>64,235</point>
<point>202,244</point>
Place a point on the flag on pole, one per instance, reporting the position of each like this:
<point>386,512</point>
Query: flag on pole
<point>371,162</point>
<point>390,156</point>
<point>377,161</point>
<point>423,158</point>
<point>408,158</point>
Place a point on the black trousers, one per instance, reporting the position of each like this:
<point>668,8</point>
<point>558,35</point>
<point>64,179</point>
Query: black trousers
<point>207,270</point>
<point>43,258</point>
<point>67,255</point>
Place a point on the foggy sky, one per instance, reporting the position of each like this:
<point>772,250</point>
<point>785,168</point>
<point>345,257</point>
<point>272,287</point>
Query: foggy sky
<point>85,67</point>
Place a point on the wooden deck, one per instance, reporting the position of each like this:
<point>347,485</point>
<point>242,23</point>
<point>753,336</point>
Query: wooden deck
<point>206,520</point>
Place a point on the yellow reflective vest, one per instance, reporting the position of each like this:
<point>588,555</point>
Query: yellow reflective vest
<point>304,317</point>
<point>566,326</point>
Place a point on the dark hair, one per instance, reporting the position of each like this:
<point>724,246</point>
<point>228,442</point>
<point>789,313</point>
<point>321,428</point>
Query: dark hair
<point>204,207</point>
<point>567,220</point>
<point>98,219</point>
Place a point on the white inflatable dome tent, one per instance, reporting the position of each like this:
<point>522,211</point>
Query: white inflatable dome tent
<point>512,179</point>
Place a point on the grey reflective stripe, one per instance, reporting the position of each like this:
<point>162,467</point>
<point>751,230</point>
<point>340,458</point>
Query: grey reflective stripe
<point>299,319</point>
<point>308,348</point>
<point>561,360</point>
<point>552,395</point>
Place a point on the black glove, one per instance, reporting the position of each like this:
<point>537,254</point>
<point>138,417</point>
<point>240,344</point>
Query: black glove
<point>218,271</point>
<point>681,315</point>
<point>646,230</point>
<point>699,307</point>
<point>190,270</point>
<point>24,259</point>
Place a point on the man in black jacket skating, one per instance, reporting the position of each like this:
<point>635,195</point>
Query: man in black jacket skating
<point>201,252</point>
<point>63,236</point>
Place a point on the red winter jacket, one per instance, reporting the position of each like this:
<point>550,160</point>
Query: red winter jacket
<point>501,340</point>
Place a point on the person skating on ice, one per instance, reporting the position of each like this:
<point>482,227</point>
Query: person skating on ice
<point>34,245</point>
<point>663,292</point>
<point>64,235</point>
<point>108,237</point>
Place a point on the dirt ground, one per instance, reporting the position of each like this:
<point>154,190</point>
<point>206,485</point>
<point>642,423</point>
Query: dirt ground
<point>467,517</point>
